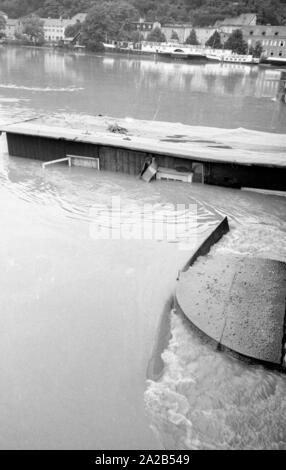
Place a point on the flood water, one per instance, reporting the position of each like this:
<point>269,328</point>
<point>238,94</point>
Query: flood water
<point>227,95</point>
<point>81,317</point>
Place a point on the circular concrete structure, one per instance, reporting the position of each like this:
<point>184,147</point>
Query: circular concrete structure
<point>239,303</point>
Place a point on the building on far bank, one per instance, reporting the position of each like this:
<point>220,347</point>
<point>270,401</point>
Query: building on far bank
<point>12,27</point>
<point>203,34</point>
<point>225,28</point>
<point>272,39</point>
<point>145,27</point>
<point>228,25</point>
<point>246,19</point>
<point>182,31</point>
<point>54,28</point>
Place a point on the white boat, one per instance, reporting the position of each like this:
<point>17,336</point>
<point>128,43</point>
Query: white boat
<point>233,58</point>
<point>108,46</point>
<point>174,50</point>
<point>275,60</point>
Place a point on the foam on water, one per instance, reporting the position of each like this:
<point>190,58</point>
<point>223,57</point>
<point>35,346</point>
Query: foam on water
<point>208,400</point>
<point>12,100</point>
<point>12,86</point>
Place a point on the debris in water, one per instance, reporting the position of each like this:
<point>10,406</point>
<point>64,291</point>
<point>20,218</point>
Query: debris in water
<point>116,129</point>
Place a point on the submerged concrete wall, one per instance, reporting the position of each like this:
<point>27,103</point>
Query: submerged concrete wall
<point>111,158</point>
<point>130,160</point>
<point>239,303</point>
<point>237,176</point>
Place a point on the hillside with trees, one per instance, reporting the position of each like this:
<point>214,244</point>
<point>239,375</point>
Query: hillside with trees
<point>198,12</point>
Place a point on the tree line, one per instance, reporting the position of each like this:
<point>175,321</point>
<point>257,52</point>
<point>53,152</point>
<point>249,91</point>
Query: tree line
<point>114,20</point>
<point>198,12</point>
<point>102,24</point>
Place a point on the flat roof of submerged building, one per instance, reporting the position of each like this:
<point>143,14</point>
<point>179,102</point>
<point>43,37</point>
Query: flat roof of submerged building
<point>239,146</point>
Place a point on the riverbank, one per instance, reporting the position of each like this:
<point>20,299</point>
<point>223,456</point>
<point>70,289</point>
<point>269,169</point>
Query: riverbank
<point>139,54</point>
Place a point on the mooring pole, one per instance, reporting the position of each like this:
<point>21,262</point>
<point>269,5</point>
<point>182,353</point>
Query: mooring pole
<point>281,94</point>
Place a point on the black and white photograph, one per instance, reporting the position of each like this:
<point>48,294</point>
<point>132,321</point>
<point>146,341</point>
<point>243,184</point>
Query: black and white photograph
<point>142,228</point>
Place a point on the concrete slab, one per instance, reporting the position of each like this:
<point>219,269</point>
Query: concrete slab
<point>238,302</point>
<point>239,147</point>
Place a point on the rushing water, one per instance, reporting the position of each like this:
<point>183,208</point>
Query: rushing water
<point>80,317</point>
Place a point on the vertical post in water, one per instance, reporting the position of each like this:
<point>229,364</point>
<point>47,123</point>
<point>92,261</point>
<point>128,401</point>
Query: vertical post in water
<point>281,94</point>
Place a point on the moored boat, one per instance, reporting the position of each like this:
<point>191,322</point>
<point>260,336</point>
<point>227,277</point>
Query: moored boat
<point>178,51</point>
<point>233,58</point>
<point>274,60</point>
<point>109,47</point>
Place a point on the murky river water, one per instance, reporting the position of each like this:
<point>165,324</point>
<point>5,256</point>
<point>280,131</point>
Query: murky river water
<point>80,316</point>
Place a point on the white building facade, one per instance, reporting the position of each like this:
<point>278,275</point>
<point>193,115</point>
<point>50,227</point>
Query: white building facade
<point>54,28</point>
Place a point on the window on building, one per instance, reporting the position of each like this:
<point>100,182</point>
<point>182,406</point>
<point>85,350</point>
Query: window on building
<point>251,33</point>
<point>280,53</point>
<point>282,43</point>
<point>263,33</point>
<point>276,33</point>
<point>271,53</point>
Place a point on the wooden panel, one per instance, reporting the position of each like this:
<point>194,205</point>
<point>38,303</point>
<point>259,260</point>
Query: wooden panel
<point>45,149</point>
<point>39,148</point>
<point>139,162</point>
<point>107,158</point>
<point>236,176</point>
<point>121,160</point>
<point>82,149</point>
<point>131,161</point>
<point>126,162</point>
